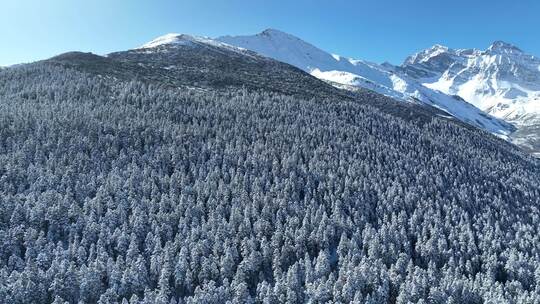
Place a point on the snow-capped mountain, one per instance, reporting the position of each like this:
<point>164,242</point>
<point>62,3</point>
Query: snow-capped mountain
<point>201,63</point>
<point>358,73</point>
<point>174,39</point>
<point>502,80</point>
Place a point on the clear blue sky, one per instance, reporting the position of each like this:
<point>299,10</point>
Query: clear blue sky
<point>376,30</point>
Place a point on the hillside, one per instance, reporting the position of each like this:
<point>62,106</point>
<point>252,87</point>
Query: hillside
<point>196,173</point>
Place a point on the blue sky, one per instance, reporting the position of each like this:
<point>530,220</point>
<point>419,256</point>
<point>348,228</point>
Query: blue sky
<point>379,30</point>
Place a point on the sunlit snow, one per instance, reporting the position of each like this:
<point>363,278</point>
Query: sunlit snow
<point>503,80</point>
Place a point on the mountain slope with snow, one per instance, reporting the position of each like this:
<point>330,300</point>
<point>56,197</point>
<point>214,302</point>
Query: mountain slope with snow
<point>502,80</point>
<point>334,68</point>
<point>176,40</point>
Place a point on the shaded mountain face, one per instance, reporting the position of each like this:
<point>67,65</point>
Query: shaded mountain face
<point>503,81</point>
<point>175,173</point>
<point>352,73</point>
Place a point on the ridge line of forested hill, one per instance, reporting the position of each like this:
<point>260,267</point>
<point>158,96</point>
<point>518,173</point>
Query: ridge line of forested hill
<point>119,191</point>
<point>127,65</point>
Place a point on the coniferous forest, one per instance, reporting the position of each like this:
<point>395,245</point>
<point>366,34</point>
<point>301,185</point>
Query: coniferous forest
<point>128,191</point>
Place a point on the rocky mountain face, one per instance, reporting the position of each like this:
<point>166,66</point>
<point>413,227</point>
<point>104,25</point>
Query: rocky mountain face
<point>502,80</point>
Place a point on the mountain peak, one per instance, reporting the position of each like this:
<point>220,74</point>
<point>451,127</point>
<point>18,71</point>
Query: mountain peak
<point>503,47</point>
<point>283,47</point>
<point>439,47</point>
<point>176,39</point>
<point>277,35</point>
<point>168,39</point>
<point>427,54</point>
<point>273,32</point>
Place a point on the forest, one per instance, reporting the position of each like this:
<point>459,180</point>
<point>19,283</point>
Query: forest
<point>115,191</point>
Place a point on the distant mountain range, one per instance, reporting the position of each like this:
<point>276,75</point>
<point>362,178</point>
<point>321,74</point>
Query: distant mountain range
<point>497,89</point>
<point>503,81</point>
<point>358,73</point>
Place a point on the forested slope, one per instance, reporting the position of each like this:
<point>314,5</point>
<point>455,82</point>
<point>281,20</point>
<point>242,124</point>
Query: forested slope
<point>118,191</point>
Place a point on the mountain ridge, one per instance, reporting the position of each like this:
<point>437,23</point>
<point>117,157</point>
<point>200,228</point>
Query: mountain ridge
<point>353,72</point>
<point>503,81</point>
<point>203,66</point>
